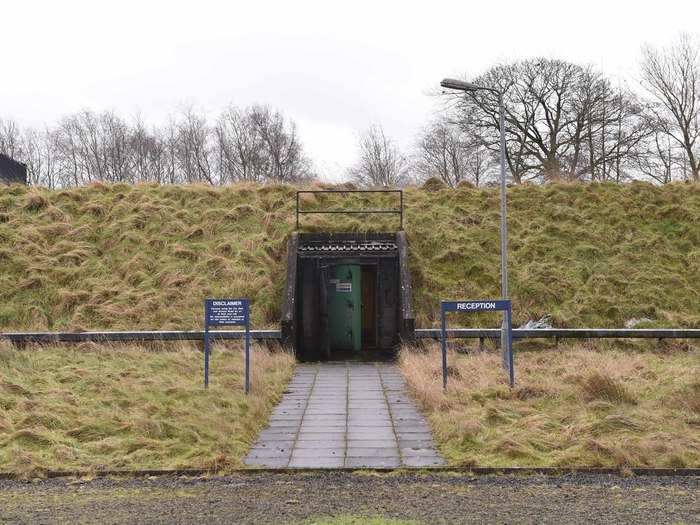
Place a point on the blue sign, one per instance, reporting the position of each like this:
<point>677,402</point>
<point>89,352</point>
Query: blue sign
<point>227,312</point>
<point>496,305</point>
<point>474,306</point>
<point>231,312</point>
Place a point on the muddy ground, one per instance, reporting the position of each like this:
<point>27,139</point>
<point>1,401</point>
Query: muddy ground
<point>261,498</point>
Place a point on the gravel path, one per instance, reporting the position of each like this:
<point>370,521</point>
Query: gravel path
<point>345,414</point>
<point>261,498</point>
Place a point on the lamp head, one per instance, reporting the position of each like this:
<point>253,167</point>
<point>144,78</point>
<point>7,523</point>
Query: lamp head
<point>452,83</point>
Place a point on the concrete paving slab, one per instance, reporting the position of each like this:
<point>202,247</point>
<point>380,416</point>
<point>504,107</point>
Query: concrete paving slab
<point>281,462</point>
<point>418,462</point>
<point>264,453</point>
<point>371,452</point>
<point>324,418</point>
<point>418,452</point>
<point>289,411</point>
<point>356,415</point>
<point>415,443</point>
<point>272,444</point>
<point>309,435</point>
<point>285,418</point>
<point>372,462</point>
<point>271,435</point>
<point>388,434</point>
<point>415,435</point>
<point>360,425</point>
<point>330,424</point>
<point>317,443</point>
<point>371,443</point>
<point>318,452</point>
<point>317,463</point>
<point>366,410</point>
<point>279,428</point>
<point>401,428</point>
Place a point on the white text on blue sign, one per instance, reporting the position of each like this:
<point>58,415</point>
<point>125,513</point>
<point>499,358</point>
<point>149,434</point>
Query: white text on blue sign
<point>475,306</point>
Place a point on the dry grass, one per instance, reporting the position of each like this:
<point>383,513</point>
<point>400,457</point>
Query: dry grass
<point>93,407</point>
<point>123,256</point>
<point>576,406</point>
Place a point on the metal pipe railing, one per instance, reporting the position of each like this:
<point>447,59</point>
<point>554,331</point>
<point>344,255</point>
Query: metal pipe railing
<point>421,333</point>
<point>564,333</point>
<point>397,211</point>
<point>134,336</point>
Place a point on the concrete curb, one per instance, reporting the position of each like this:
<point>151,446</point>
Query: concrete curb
<point>468,471</point>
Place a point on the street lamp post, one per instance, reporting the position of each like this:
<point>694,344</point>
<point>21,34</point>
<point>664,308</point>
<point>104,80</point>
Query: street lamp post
<point>450,83</point>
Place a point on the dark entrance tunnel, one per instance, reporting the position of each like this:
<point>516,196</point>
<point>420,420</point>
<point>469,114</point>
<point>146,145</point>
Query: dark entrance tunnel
<point>348,296</point>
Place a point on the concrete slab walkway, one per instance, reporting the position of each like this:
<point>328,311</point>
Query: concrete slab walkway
<point>345,414</point>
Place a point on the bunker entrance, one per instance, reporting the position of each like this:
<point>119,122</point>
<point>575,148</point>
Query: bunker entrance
<point>348,296</point>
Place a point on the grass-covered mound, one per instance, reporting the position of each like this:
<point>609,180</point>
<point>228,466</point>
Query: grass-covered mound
<point>592,406</point>
<point>107,257</point>
<point>90,407</point>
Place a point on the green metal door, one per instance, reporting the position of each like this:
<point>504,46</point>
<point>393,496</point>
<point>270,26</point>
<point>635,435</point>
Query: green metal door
<point>344,307</point>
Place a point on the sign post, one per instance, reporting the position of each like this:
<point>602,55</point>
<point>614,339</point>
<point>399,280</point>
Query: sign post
<point>479,306</point>
<point>227,312</point>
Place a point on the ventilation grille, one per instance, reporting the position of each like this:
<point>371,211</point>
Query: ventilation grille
<point>364,247</point>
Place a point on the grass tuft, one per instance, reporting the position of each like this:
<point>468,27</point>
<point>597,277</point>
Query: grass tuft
<point>600,386</point>
<point>35,202</point>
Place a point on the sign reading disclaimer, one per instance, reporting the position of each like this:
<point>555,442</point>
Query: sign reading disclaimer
<point>478,306</point>
<point>227,312</point>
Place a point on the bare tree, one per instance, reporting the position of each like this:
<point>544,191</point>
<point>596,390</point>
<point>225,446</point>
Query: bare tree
<point>169,142</point>
<point>563,121</point>
<point>258,144</point>
<point>71,171</point>
<point>287,163</point>
<point>447,152</point>
<point>539,97</point>
<point>239,147</point>
<point>10,139</point>
<point>380,162</point>
<point>193,147</point>
<point>672,78</point>
<point>34,157</point>
<point>116,149</point>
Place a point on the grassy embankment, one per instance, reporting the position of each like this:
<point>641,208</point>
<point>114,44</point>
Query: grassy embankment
<point>576,406</point>
<point>109,257</point>
<point>90,408</point>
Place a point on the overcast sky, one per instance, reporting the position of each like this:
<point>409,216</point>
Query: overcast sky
<point>334,67</point>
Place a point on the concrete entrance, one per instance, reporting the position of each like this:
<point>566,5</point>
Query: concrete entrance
<point>348,296</point>
<point>342,414</point>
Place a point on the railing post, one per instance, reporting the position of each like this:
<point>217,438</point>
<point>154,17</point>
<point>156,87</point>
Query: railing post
<point>206,355</point>
<point>443,347</point>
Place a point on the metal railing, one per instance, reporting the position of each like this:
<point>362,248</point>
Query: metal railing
<point>421,333</point>
<point>563,333</point>
<point>134,336</point>
<point>396,211</point>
